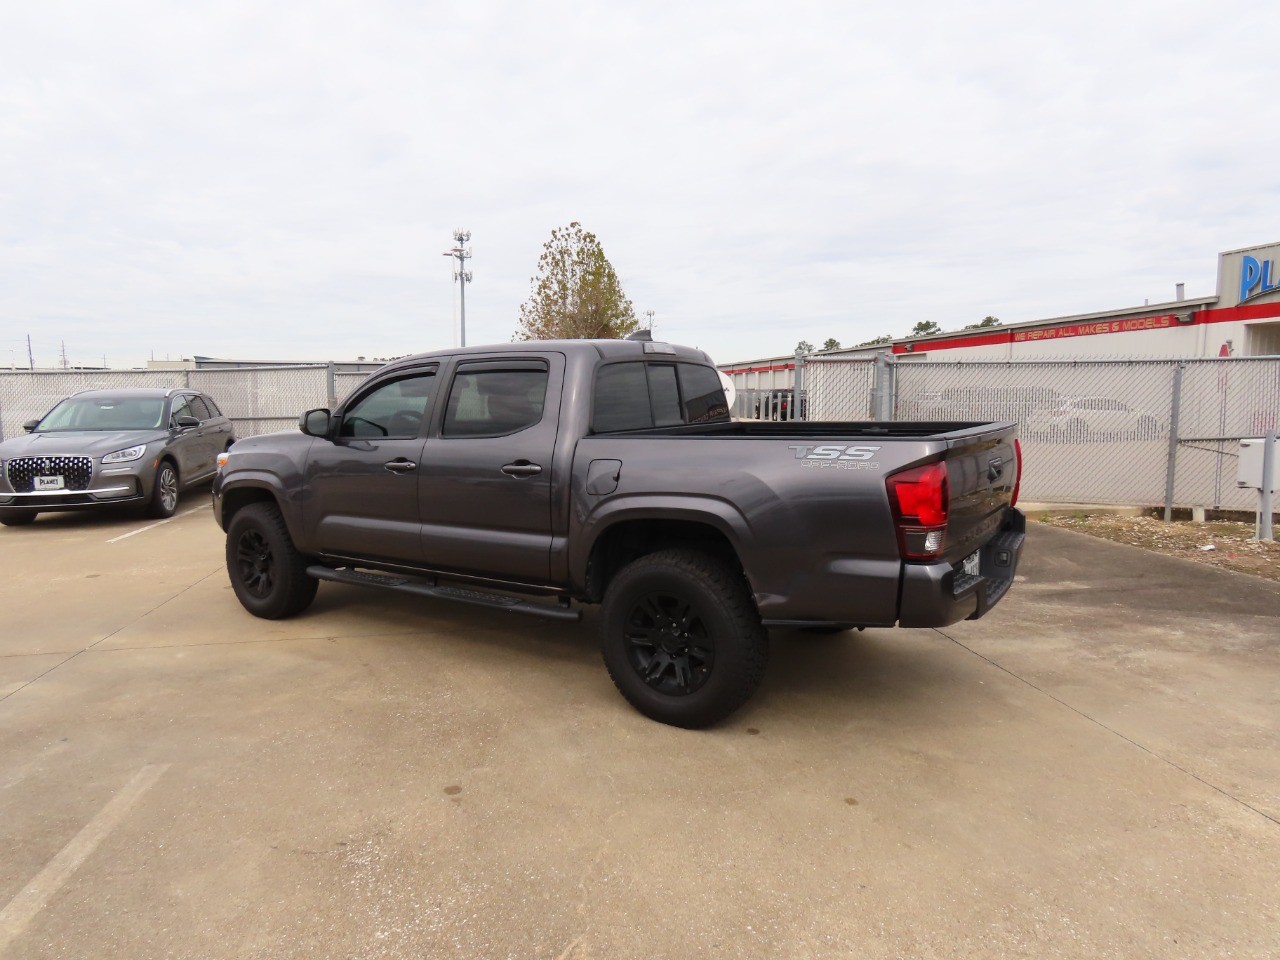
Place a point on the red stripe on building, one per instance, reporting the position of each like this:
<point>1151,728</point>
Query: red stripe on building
<point>780,366</point>
<point>1255,311</point>
<point>951,343</point>
<point>1093,328</point>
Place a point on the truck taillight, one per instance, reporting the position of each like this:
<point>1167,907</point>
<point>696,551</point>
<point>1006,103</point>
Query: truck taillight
<point>920,499</point>
<point>1017,482</point>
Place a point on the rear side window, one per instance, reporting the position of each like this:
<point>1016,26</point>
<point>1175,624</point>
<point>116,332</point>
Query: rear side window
<point>676,394</point>
<point>702,394</point>
<point>496,398</point>
<point>620,400</point>
<point>213,407</point>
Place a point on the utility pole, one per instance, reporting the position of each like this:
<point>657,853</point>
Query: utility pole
<point>462,253</point>
<point>64,354</point>
<point>31,364</point>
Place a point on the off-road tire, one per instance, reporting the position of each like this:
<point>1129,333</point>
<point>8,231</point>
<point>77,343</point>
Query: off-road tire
<point>17,518</point>
<point>725,645</point>
<point>268,574</point>
<point>164,492</point>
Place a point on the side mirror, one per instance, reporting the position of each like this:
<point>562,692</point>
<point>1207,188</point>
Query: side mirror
<point>30,425</point>
<point>186,423</point>
<point>315,423</point>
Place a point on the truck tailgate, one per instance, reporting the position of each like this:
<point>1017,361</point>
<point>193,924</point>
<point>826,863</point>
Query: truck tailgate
<point>982,472</point>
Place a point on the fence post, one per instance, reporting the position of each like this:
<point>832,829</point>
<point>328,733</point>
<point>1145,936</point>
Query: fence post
<point>1265,501</point>
<point>882,388</point>
<point>1171,469</point>
<point>186,379</point>
<point>331,385</point>
<point>797,386</point>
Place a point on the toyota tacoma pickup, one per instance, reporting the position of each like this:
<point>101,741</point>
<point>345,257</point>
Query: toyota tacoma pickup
<point>538,477</point>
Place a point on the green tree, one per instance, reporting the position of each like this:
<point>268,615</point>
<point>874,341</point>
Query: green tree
<point>987,321</point>
<point>576,294</point>
<point>831,343</point>
<point>875,342</point>
<point>804,346</point>
<point>925,327</point>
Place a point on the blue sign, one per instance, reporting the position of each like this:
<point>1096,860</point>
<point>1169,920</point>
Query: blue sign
<point>1256,278</point>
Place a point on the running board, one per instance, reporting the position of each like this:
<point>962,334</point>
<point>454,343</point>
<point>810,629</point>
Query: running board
<point>478,598</point>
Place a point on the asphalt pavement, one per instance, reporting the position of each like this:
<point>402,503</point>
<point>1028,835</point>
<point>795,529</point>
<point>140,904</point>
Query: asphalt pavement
<point>1093,770</point>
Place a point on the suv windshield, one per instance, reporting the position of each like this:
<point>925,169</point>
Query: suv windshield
<point>104,413</point>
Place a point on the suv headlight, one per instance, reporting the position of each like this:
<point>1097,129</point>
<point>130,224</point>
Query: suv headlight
<point>125,455</point>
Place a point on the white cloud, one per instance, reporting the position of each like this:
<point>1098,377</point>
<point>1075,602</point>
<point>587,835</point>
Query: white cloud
<point>280,180</point>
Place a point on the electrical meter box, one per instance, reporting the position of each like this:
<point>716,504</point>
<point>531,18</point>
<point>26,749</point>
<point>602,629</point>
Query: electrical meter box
<point>1249,467</point>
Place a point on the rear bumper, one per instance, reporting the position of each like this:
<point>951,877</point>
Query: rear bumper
<point>937,594</point>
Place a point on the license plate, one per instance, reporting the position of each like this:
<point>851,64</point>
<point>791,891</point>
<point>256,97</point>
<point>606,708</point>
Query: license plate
<point>972,564</point>
<point>50,483</point>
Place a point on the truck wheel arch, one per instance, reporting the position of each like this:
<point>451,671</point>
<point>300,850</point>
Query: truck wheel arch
<point>629,538</point>
<point>237,498</point>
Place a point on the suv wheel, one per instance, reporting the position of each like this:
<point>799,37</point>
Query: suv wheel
<point>164,492</point>
<point>682,638</point>
<point>268,574</point>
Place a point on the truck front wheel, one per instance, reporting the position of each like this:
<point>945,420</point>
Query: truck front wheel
<point>268,574</point>
<point>681,637</point>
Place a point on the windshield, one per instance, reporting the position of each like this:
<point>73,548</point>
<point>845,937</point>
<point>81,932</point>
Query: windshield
<point>104,413</point>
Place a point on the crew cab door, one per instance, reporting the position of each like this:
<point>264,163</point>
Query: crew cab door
<point>485,486</point>
<point>362,480</point>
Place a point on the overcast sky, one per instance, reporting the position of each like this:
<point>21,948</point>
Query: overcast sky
<point>278,180</point>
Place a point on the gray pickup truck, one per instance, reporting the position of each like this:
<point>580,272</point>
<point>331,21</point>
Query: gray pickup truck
<point>535,477</point>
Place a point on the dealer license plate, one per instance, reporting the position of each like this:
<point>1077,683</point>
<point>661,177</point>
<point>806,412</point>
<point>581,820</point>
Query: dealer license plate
<point>972,564</point>
<point>50,483</point>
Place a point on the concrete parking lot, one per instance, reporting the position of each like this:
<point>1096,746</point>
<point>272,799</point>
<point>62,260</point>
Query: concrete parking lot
<point>1091,771</point>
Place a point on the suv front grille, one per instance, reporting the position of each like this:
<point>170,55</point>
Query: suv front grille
<point>75,472</point>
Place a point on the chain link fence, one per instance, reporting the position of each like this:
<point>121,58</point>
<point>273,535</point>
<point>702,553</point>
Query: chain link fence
<point>1093,431</point>
<point>838,389</point>
<point>257,399</point>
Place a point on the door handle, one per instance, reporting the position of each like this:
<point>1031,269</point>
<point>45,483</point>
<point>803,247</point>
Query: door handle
<point>522,468</point>
<point>400,466</point>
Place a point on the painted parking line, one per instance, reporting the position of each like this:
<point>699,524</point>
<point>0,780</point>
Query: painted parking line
<point>32,898</point>
<point>158,523</point>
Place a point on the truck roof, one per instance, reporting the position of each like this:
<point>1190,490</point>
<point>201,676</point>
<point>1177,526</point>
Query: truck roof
<point>603,349</point>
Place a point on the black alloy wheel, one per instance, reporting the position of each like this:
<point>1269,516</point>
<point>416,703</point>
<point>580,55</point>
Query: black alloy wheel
<point>256,564</point>
<point>668,644</point>
<point>267,573</point>
<point>681,636</point>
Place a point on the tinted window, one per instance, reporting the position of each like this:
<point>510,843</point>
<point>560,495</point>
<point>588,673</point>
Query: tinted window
<point>621,398</point>
<point>213,407</point>
<point>199,409</point>
<point>664,395</point>
<point>393,409</point>
<point>181,408</point>
<point>703,393</point>
<point>493,399</point>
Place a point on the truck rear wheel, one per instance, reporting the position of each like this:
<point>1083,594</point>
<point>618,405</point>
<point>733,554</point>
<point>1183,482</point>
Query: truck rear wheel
<point>268,574</point>
<point>681,637</point>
